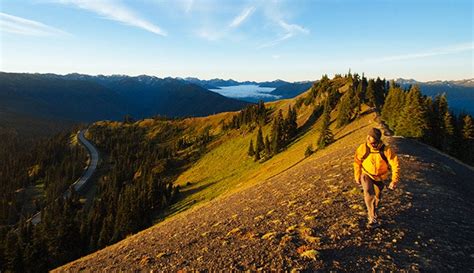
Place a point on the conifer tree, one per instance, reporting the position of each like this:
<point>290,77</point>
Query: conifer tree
<point>344,113</point>
<point>292,122</point>
<point>449,131</point>
<point>441,102</point>
<point>309,150</point>
<point>268,148</point>
<point>370,94</point>
<point>260,145</point>
<point>436,120</point>
<point>468,128</point>
<point>13,252</point>
<point>379,92</point>
<point>468,139</point>
<point>357,99</point>
<point>251,151</point>
<point>413,121</point>
<point>393,105</point>
<point>429,136</point>
<point>326,136</point>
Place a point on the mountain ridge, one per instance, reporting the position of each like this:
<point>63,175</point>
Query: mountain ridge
<point>88,98</point>
<point>311,217</point>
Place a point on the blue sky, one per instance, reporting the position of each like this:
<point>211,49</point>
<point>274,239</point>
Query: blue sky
<point>244,40</point>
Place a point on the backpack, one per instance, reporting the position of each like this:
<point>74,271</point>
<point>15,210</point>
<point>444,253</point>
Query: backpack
<point>381,152</point>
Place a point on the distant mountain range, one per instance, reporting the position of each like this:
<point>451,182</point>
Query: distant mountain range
<point>465,82</point>
<point>79,97</point>
<point>216,83</point>
<point>291,90</point>
<point>283,89</point>
<point>460,93</point>
<point>87,98</point>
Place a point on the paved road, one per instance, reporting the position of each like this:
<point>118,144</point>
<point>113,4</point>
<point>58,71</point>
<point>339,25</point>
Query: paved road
<point>94,159</point>
<point>81,183</point>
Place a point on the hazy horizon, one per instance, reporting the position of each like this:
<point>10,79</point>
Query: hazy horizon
<point>238,80</point>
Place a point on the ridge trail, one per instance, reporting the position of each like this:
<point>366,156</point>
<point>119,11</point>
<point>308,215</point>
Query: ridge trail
<point>312,217</point>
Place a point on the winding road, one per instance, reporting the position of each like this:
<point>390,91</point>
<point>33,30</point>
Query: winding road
<point>82,182</point>
<point>93,161</point>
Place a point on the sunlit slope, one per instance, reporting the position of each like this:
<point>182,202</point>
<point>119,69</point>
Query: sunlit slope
<point>227,167</point>
<point>316,179</point>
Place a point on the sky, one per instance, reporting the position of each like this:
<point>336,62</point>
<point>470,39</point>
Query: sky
<point>259,40</point>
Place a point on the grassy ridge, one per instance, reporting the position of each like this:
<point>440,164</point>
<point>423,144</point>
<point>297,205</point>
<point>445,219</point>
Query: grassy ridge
<point>227,167</point>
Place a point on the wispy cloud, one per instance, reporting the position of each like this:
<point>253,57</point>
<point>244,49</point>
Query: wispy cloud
<point>115,11</point>
<point>289,30</point>
<point>209,34</point>
<point>188,5</point>
<point>451,49</point>
<point>18,25</point>
<point>214,33</point>
<point>239,19</point>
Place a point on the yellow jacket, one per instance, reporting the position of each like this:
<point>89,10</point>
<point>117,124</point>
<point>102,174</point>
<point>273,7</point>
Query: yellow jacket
<point>374,165</point>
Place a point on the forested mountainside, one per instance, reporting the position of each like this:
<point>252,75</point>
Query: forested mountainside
<point>296,207</point>
<point>154,169</point>
<point>89,98</point>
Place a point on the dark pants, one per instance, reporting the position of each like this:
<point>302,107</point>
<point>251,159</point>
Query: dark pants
<point>372,194</point>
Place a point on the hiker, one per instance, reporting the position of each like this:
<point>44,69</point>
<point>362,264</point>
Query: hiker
<point>371,164</point>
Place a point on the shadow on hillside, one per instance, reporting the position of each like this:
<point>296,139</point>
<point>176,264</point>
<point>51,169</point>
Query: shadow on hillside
<point>310,122</point>
<point>362,257</point>
<point>178,204</point>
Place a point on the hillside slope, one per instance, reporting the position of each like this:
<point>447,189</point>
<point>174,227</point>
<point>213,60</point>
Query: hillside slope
<point>312,217</point>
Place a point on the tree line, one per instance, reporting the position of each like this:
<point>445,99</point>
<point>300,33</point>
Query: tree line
<point>133,185</point>
<point>409,113</point>
<point>254,114</point>
<point>34,175</point>
<point>283,131</point>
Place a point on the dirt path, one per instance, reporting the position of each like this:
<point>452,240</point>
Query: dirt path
<point>312,217</point>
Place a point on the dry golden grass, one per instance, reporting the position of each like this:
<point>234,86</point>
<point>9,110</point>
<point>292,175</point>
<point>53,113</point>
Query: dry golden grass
<point>227,168</point>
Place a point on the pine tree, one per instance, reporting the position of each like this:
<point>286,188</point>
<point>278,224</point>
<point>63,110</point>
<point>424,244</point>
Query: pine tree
<point>344,113</point>
<point>326,136</point>
<point>309,150</point>
<point>379,92</point>
<point>261,113</point>
<point>370,94</point>
<point>268,148</point>
<point>468,128</point>
<point>439,109</point>
<point>413,121</point>
<point>13,252</point>
<point>251,151</point>
<point>260,145</point>
<point>431,122</point>
<point>468,139</point>
<point>393,105</point>
<point>292,122</point>
<point>448,132</point>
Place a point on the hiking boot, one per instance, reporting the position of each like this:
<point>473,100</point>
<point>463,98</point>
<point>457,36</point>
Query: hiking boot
<point>372,223</point>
